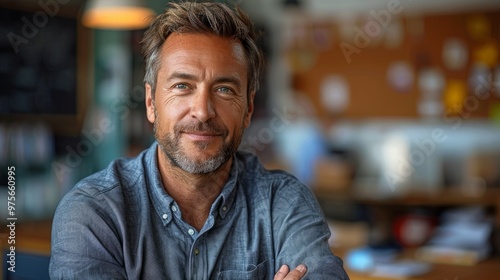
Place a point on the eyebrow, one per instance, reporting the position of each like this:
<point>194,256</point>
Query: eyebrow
<point>180,75</point>
<point>224,79</point>
<point>229,79</point>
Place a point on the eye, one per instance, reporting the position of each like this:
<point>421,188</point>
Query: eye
<point>225,90</point>
<point>180,86</point>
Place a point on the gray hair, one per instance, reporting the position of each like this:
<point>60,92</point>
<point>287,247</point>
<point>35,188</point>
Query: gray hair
<point>208,18</point>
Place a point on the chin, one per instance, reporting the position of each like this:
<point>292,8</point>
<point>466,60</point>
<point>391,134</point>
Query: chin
<point>201,156</point>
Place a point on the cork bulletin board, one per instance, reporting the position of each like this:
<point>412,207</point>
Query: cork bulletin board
<point>323,49</point>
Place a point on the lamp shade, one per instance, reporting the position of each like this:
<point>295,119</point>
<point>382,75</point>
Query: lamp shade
<point>116,14</point>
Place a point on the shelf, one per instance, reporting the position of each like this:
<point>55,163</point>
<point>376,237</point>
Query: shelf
<point>447,197</point>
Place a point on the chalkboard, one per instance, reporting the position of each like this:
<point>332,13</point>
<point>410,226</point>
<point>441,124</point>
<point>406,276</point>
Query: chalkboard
<point>38,68</point>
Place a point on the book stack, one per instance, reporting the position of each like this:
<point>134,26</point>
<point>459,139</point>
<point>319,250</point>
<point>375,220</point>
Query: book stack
<point>462,238</point>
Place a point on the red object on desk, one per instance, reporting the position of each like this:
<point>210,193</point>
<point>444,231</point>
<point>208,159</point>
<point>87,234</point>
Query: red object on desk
<point>413,230</point>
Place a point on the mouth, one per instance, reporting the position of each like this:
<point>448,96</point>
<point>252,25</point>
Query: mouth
<point>201,135</point>
<point>202,132</point>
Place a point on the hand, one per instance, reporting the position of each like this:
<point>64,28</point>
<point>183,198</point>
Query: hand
<point>285,274</point>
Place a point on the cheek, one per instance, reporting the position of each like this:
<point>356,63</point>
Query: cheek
<point>172,108</point>
<point>165,117</point>
<point>238,107</point>
<point>234,118</point>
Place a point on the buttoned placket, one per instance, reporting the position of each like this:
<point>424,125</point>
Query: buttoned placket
<point>198,257</point>
<point>197,262</point>
<point>196,242</point>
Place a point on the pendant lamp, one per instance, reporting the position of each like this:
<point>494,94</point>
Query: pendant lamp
<point>116,14</point>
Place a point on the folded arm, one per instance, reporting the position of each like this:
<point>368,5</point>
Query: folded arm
<point>301,235</point>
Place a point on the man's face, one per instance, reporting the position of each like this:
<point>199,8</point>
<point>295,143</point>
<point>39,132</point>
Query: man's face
<point>200,107</point>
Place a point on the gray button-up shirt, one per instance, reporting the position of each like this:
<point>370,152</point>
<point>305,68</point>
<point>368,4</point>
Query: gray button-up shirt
<point>121,224</point>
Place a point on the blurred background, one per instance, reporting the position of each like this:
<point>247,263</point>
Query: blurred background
<point>389,110</point>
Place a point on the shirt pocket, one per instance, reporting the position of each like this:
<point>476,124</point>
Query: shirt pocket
<point>260,271</point>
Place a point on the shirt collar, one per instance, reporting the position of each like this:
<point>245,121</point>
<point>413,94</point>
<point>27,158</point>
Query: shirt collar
<point>161,200</point>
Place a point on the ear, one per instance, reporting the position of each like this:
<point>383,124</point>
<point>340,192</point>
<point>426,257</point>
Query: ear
<point>250,108</point>
<point>150,106</point>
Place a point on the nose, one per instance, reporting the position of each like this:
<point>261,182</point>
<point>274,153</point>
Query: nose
<point>202,106</point>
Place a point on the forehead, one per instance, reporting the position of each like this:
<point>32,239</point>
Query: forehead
<point>196,46</point>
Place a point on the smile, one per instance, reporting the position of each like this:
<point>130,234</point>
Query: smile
<point>201,136</point>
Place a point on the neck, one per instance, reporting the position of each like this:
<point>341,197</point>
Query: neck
<point>194,193</point>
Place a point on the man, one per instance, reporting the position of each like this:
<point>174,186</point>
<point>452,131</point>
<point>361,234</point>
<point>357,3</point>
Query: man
<point>191,206</point>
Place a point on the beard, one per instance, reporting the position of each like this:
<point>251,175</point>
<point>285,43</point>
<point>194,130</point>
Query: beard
<point>170,144</point>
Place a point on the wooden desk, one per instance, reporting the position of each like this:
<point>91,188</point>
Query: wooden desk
<point>487,270</point>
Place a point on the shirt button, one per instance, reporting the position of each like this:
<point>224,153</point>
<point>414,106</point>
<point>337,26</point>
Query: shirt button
<point>196,251</point>
<point>191,231</point>
<point>165,216</point>
<point>224,208</point>
<point>174,208</point>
